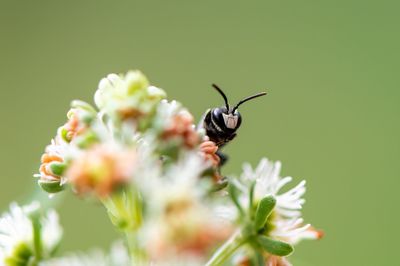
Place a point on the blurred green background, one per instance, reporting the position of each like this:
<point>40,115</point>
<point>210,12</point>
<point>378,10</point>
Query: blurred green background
<point>332,114</point>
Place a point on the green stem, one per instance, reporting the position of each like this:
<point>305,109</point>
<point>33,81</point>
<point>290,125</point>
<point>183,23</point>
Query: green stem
<point>226,250</point>
<point>125,211</point>
<point>137,254</point>
<point>37,240</point>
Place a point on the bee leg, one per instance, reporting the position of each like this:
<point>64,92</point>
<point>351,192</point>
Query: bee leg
<point>223,157</point>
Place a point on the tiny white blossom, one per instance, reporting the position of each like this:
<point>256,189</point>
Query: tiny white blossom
<point>17,233</point>
<point>126,92</point>
<point>15,230</point>
<point>288,224</point>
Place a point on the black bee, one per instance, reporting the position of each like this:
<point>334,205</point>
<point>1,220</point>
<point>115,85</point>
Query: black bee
<point>222,123</point>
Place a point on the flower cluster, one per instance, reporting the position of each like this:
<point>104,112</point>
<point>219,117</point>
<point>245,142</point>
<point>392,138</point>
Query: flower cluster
<point>159,179</point>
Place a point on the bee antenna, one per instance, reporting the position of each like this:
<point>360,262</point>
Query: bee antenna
<point>223,96</point>
<point>248,99</point>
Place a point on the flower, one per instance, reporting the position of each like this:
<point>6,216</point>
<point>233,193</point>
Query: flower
<point>174,125</point>
<point>101,169</point>
<point>21,231</point>
<point>75,125</point>
<point>127,96</point>
<point>79,127</point>
<point>53,164</point>
<point>180,222</point>
<point>286,222</point>
<point>209,149</point>
<point>182,127</point>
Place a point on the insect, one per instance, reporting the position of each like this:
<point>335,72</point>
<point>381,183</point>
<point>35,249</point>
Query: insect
<point>222,123</point>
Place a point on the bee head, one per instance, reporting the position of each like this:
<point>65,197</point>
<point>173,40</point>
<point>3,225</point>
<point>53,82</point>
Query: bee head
<point>229,118</point>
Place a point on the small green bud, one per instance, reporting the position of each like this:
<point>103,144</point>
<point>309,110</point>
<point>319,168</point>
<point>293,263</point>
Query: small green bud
<point>264,209</point>
<point>86,140</point>
<point>135,81</point>
<point>51,186</point>
<point>57,168</point>
<point>64,134</point>
<point>275,247</point>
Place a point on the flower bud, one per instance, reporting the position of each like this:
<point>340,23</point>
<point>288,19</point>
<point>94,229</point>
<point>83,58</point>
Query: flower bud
<point>57,168</point>
<point>79,119</point>
<point>105,90</point>
<point>86,140</point>
<point>53,166</point>
<point>135,81</point>
<point>127,96</point>
<point>181,128</point>
<point>156,93</point>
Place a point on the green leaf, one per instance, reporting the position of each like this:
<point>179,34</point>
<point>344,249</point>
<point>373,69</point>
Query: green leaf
<point>275,247</point>
<point>251,196</point>
<point>264,209</point>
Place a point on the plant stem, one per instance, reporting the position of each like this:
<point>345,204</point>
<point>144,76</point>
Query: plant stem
<point>227,249</point>
<point>138,256</point>
<point>125,211</point>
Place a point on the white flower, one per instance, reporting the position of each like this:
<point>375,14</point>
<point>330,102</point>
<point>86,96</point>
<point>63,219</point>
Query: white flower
<point>118,256</point>
<point>57,152</point>
<point>132,91</point>
<point>288,224</point>
<point>17,233</point>
<point>182,226</point>
<point>108,86</point>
